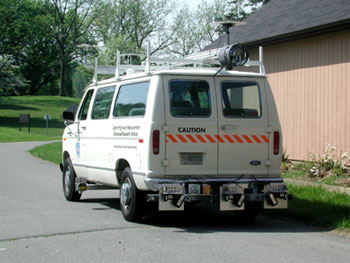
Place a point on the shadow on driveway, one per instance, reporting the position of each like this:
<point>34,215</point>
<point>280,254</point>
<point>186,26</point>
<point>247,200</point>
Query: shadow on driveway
<point>206,218</point>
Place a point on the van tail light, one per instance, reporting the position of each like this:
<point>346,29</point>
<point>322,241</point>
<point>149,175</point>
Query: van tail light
<point>155,142</point>
<point>276,142</point>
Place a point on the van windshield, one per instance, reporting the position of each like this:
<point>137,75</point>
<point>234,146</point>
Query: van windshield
<point>189,98</point>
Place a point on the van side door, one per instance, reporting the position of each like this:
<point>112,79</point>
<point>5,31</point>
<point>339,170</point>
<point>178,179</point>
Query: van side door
<point>99,139</point>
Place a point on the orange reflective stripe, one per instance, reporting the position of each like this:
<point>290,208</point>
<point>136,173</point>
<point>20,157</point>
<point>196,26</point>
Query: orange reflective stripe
<point>247,139</point>
<point>181,138</point>
<point>238,139</point>
<point>219,138</point>
<point>214,138</point>
<point>172,138</point>
<point>189,136</point>
<point>201,138</point>
<point>256,139</point>
<point>210,138</point>
<point>229,139</point>
<point>264,138</point>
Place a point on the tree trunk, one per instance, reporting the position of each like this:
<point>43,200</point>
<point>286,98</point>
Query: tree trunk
<point>62,74</point>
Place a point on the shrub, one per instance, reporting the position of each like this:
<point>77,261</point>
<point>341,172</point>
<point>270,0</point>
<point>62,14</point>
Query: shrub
<point>326,165</point>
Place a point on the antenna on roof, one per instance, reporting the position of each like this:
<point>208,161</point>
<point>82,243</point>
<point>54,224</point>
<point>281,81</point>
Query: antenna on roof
<point>86,47</point>
<point>227,25</point>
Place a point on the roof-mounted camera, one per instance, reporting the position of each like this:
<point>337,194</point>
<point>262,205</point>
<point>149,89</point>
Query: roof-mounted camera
<point>233,55</point>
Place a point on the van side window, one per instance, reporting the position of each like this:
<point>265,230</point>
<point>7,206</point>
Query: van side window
<point>102,103</point>
<point>85,106</point>
<point>241,99</point>
<point>189,98</point>
<point>131,100</point>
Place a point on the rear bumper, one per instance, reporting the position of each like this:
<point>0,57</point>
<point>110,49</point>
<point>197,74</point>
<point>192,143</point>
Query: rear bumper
<point>154,184</point>
<point>230,193</point>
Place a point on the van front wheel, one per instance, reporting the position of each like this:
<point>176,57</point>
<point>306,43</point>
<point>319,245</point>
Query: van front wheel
<point>132,200</point>
<point>68,182</point>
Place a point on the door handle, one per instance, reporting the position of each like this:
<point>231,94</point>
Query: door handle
<point>83,128</point>
<point>228,127</point>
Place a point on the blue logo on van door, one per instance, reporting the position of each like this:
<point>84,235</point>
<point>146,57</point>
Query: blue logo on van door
<point>77,149</point>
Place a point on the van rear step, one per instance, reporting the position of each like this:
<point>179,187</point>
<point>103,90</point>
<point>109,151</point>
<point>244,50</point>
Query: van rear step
<point>82,185</point>
<point>230,197</point>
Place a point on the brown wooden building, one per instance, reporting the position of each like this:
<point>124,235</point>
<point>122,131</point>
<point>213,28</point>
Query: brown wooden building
<point>307,61</point>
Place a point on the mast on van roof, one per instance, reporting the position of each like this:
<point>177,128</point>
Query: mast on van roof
<point>227,24</point>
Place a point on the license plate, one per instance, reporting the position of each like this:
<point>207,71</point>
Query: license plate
<point>191,158</point>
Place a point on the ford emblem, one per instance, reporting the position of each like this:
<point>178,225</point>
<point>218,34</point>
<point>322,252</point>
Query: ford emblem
<point>255,162</point>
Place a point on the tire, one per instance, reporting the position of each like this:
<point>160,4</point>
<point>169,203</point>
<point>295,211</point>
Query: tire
<point>68,182</point>
<point>132,200</point>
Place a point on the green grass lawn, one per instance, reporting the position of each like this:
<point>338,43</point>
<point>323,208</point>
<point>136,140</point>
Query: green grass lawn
<point>37,107</point>
<point>318,207</point>
<point>50,152</point>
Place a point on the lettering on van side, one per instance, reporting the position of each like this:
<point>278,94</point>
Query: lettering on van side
<point>191,130</point>
<point>125,131</point>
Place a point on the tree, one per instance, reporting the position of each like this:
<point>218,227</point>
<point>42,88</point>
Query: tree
<point>241,9</point>
<point>193,30</point>
<point>81,78</point>
<point>207,15</point>
<point>256,4</point>
<point>238,10</point>
<point>10,82</point>
<point>26,37</point>
<point>70,21</point>
<point>125,25</point>
<point>186,36</point>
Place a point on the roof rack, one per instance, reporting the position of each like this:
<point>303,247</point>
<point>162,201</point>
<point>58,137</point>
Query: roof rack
<point>205,59</point>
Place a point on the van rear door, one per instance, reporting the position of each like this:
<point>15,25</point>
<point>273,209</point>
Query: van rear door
<point>243,126</point>
<point>191,125</point>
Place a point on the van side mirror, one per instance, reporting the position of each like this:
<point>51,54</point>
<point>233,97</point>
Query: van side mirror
<point>68,115</point>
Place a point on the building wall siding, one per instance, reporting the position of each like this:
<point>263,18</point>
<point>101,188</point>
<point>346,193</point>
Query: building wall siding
<point>310,80</point>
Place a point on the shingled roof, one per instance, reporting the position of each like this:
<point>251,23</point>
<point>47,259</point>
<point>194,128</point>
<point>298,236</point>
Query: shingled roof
<point>282,20</point>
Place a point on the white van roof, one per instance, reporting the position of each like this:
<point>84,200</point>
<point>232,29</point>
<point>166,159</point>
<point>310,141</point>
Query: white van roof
<point>181,72</point>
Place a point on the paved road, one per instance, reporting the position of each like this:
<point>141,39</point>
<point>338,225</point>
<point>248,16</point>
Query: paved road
<point>38,225</point>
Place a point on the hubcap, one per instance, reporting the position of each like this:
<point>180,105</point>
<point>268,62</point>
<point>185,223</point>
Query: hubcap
<point>67,180</point>
<point>125,195</point>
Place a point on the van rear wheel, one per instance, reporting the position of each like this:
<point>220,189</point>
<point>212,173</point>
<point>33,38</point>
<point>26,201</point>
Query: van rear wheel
<point>132,200</point>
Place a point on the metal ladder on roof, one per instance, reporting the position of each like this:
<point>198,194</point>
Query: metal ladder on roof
<point>200,60</point>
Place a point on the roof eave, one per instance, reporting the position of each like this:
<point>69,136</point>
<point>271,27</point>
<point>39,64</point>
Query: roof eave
<point>305,33</point>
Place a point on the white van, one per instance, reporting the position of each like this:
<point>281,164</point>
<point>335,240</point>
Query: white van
<point>176,136</point>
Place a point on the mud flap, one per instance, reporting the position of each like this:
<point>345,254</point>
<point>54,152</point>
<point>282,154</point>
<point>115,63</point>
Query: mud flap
<point>232,197</point>
<point>276,196</point>
<point>171,197</point>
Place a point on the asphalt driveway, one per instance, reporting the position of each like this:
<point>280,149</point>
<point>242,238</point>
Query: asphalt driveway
<point>38,225</point>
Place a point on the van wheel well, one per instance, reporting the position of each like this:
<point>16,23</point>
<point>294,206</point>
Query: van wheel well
<point>120,167</point>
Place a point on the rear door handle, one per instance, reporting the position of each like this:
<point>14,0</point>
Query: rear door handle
<point>228,127</point>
